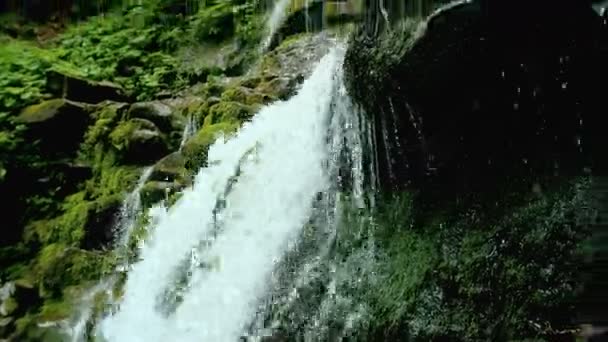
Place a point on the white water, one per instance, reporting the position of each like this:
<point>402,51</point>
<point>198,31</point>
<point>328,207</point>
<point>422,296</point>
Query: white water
<point>130,209</point>
<point>276,19</point>
<point>265,179</point>
<point>189,130</point>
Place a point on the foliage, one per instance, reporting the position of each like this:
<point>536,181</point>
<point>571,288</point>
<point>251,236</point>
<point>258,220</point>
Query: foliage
<point>475,276</point>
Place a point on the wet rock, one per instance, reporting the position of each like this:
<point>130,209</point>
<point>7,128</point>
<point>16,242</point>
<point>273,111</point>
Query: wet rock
<point>291,62</point>
<point>229,111</point>
<point>139,141</point>
<point>6,326</point>
<point>156,191</point>
<point>75,88</point>
<point>16,297</point>
<point>170,169</point>
<point>101,219</point>
<point>473,97</point>
<point>58,124</point>
<point>162,115</point>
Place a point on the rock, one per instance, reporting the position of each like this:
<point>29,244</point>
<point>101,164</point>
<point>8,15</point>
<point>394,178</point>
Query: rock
<point>246,96</point>
<point>195,150</point>
<point>280,87</point>
<point>16,297</point>
<point>171,168</point>
<point>496,99</point>
<point>156,191</point>
<point>292,61</point>
<point>6,326</point>
<point>71,87</point>
<point>229,111</point>
<point>58,124</point>
<point>163,116</point>
<point>101,219</point>
<point>139,141</point>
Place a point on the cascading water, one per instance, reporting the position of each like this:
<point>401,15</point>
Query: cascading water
<point>189,131</point>
<point>125,223</point>
<point>210,259</point>
<point>277,16</point>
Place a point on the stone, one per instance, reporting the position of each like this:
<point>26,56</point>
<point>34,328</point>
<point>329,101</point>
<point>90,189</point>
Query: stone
<point>171,168</point>
<point>496,100</point>
<point>65,85</point>
<point>58,124</point>
<point>139,141</point>
<point>161,114</point>
<point>6,326</point>
<point>156,191</point>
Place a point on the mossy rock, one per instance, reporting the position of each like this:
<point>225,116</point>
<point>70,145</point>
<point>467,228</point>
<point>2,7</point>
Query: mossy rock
<point>246,96</point>
<point>229,111</point>
<point>98,232</point>
<point>156,191</point>
<point>279,87</point>
<point>166,118</point>
<point>138,141</point>
<point>6,326</point>
<point>73,87</point>
<point>59,266</point>
<point>195,150</point>
<point>171,168</point>
<point>58,124</point>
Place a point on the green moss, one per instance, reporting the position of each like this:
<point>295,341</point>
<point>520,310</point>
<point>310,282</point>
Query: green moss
<point>229,111</point>
<point>54,310</point>
<point>483,276</point>
<point>245,96</point>
<point>195,150</point>
<point>67,227</point>
<point>41,111</point>
<point>59,266</point>
<point>121,135</point>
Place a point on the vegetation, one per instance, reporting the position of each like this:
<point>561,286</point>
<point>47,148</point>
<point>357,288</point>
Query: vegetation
<point>476,275</point>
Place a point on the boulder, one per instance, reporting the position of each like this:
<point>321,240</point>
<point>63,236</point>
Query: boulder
<point>139,141</point>
<point>195,150</point>
<point>6,325</point>
<point>156,191</point>
<point>171,168</point>
<point>101,219</point>
<point>229,111</point>
<point>58,124</point>
<point>162,115</point>
<point>470,98</point>
<point>65,85</point>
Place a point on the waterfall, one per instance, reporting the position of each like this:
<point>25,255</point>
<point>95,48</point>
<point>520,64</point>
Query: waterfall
<point>211,259</point>
<point>125,223</point>
<point>189,130</point>
<point>277,16</point>
<point>315,288</point>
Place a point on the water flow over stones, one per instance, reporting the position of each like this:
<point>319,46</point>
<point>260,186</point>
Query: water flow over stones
<point>131,207</point>
<point>318,287</point>
<point>209,260</point>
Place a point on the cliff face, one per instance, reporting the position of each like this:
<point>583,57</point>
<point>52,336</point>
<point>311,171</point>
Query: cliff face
<point>483,111</point>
